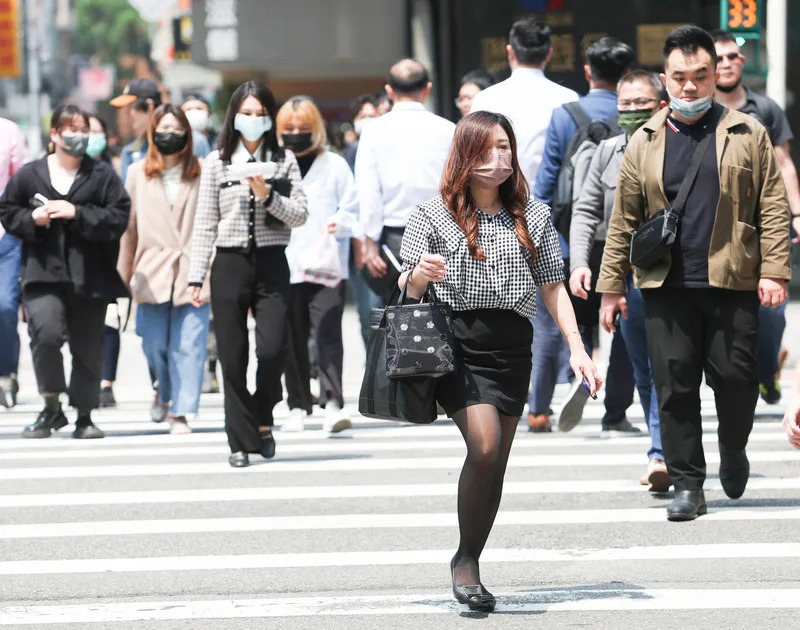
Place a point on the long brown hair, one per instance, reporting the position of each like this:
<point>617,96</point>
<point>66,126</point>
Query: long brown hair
<point>154,161</point>
<point>473,135</point>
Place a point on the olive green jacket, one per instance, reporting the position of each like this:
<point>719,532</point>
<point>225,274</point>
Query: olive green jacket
<point>750,238</point>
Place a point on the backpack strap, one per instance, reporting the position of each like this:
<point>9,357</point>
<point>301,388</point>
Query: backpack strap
<point>577,114</point>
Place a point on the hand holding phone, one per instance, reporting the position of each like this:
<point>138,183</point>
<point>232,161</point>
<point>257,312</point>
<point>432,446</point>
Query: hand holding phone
<point>589,389</point>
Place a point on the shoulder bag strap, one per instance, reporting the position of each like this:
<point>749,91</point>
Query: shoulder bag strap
<point>691,173</point>
<point>577,114</point>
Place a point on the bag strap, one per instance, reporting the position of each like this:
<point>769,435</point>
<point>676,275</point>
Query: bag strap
<point>577,114</point>
<point>691,173</point>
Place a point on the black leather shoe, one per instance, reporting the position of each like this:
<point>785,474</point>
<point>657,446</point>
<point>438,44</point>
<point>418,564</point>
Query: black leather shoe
<point>687,505</point>
<point>239,460</point>
<point>86,430</point>
<point>46,422</point>
<point>734,471</point>
<point>267,445</point>
<point>475,596</point>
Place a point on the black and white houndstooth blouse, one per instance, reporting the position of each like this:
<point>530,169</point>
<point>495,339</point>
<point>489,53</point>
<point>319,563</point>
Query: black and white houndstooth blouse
<point>505,280</point>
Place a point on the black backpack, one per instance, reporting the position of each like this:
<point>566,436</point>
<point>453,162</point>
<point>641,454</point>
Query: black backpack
<point>575,165</point>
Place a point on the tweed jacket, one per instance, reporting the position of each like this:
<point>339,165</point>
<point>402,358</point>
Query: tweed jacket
<point>154,251</point>
<point>223,211</point>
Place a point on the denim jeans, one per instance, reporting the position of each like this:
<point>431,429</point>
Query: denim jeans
<point>771,324</point>
<point>365,299</point>
<point>633,331</point>
<point>10,257</point>
<point>175,342</point>
<point>550,359</point>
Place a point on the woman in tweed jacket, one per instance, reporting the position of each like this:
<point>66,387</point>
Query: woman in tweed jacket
<point>248,222</point>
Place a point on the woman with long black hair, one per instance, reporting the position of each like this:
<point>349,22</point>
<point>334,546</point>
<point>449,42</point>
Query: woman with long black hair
<point>247,218</point>
<point>486,246</point>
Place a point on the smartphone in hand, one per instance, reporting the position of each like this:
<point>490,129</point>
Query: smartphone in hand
<point>39,200</point>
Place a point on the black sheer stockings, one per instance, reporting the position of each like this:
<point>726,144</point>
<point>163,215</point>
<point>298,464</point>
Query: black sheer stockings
<point>488,437</point>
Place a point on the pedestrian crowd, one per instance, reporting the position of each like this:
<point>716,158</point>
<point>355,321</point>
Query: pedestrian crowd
<point>659,207</point>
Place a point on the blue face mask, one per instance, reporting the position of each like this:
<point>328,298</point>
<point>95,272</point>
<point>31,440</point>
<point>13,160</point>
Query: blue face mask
<point>97,144</point>
<point>690,109</point>
<point>252,127</point>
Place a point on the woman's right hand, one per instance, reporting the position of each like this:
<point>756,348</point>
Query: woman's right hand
<point>431,268</point>
<point>195,293</point>
<point>41,217</point>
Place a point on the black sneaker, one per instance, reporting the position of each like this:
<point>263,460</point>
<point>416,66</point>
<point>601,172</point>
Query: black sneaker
<point>623,426</point>
<point>46,422</point>
<point>107,398</point>
<point>85,430</point>
<point>770,392</point>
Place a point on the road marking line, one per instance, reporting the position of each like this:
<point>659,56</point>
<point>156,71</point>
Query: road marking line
<point>395,558</point>
<point>353,464</point>
<point>299,493</point>
<point>370,521</point>
<point>347,446</point>
<point>509,600</point>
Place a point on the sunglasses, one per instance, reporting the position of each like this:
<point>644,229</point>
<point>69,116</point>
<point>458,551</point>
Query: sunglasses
<point>732,56</point>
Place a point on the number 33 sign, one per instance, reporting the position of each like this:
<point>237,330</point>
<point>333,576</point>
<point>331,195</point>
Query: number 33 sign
<point>743,15</point>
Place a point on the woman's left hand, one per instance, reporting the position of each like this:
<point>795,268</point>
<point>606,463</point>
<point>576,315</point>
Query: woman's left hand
<point>259,187</point>
<point>583,367</point>
<point>60,209</point>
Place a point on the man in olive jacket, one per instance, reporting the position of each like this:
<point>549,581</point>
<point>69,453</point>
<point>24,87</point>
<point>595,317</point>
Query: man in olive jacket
<point>732,251</point>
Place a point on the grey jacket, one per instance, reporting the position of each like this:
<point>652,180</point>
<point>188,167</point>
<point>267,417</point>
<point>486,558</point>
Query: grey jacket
<point>592,211</point>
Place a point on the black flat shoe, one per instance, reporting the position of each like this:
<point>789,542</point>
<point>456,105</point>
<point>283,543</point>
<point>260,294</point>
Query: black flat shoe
<point>267,445</point>
<point>239,460</point>
<point>734,471</point>
<point>475,596</point>
<point>687,505</point>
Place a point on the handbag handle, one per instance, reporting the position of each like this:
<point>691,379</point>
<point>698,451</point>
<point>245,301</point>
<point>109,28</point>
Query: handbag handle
<point>432,299</point>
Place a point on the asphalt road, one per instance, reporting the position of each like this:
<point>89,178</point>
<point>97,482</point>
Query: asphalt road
<point>146,530</point>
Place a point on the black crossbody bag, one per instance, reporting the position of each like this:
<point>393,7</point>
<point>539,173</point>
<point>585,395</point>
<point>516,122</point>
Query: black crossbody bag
<point>654,238</point>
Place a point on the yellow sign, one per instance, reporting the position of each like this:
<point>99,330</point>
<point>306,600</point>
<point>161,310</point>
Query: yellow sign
<point>742,15</point>
<point>9,38</point>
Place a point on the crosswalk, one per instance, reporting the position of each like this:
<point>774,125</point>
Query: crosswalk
<point>148,530</point>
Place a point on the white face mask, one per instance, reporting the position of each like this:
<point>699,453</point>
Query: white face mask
<point>252,127</point>
<point>358,125</point>
<point>198,119</point>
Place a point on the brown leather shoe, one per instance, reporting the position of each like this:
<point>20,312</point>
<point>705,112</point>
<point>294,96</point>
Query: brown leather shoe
<point>539,423</point>
<point>657,476</point>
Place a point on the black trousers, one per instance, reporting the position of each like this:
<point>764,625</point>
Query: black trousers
<point>56,315</point>
<point>690,331</point>
<point>240,282</point>
<point>315,310</point>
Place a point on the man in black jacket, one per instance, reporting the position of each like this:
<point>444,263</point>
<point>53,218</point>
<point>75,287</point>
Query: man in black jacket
<point>70,212</point>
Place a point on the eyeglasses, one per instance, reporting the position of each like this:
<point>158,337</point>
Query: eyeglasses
<point>732,56</point>
<point>639,102</point>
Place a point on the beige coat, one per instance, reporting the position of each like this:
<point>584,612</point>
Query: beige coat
<point>750,239</point>
<point>154,251</point>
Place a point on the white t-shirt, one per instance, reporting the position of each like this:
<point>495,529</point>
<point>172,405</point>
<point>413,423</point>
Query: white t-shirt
<point>60,178</point>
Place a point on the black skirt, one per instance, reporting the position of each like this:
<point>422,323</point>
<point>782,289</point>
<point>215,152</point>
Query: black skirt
<point>493,359</point>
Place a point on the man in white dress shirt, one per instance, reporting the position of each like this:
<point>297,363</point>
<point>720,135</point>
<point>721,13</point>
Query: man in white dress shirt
<point>400,160</point>
<point>527,97</point>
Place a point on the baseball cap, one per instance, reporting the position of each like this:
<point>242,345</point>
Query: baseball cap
<point>135,90</point>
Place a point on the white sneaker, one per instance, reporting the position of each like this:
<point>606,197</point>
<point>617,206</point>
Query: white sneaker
<point>336,420</point>
<point>296,421</point>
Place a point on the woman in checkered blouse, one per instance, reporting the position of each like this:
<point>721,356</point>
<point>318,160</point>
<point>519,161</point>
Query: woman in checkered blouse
<point>486,246</point>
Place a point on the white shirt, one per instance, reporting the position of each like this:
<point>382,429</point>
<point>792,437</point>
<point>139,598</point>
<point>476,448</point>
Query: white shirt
<point>331,193</point>
<point>399,164</point>
<point>528,99</point>
<point>171,178</point>
<point>241,155</point>
<point>60,178</point>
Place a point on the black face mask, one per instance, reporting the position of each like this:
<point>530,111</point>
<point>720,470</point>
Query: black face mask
<point>297,142</point>
<point>170,142</point>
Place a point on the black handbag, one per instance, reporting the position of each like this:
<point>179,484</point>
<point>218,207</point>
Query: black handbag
<point>653,239</point>
<point>404,399</point>
<point>419,337</point>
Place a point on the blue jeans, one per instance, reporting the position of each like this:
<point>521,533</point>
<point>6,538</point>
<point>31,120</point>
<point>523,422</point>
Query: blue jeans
<point>633,331</point>
<point>365,299</point>
<point>771,324</point>
<point>10,257</point>
<point>175,342</point>
<point>550,359</point>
